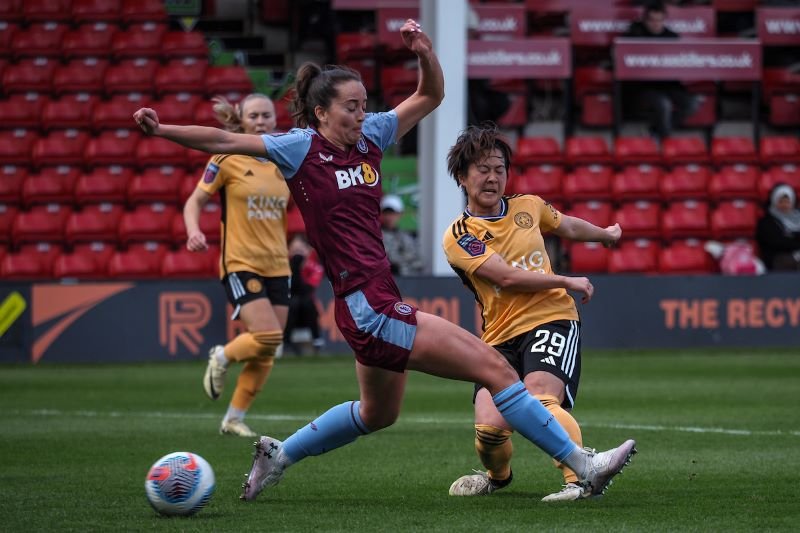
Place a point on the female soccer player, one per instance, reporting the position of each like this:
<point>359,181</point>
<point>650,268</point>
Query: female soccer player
<point>332,166</point>
<point>496,247</point>
<point>254,264</point>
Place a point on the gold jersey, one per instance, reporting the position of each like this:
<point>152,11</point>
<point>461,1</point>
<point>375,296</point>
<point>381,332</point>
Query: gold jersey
<point>254,196</point>
<point>516,235</point>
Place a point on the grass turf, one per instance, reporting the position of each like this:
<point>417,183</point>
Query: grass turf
<point>718,434</point>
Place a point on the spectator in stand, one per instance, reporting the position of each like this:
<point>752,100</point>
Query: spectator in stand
<point>401,246</point>
<point>778,231</point>
<point>663,103</point>
<point>303,313</point>
<point>483,102</point>
<point>253,264</point>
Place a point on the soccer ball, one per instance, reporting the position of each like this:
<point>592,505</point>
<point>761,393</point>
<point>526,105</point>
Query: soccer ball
<point>179,484</point>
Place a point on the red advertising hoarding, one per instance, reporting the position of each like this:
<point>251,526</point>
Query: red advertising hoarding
<point>598,25</point>
<point>520,58</point>
<point>779,26</point>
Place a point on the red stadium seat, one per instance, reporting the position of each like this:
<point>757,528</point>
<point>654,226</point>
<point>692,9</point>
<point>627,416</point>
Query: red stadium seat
<point>639,256</point>
<point>112,148</point>
<point>283,114</point>
<point>103,184</point>
<point>593,88</point>
<point>368,72</point>
<point>139,262</point>
<point>789,174</point>
<point>40,224</point>
<point>29,75</point>
<point>588,257</point>
<point>188,185</point>
<point>203,114</point>
<point>94,223</point>
<point>139,40</point>
<point>88,40</point>
<point>11,10</point>
<point>735,181</point>
<point>734,219</point>
<point>7,31</point>
<point>706,113</point>
<point>728,150</point>
<point>231,82</point>
<point>39,40</point>
<point>587,151</point>
<point>7,215</point>
<point>685,257</point>
<point>295,223</point>
<point>537,151</point>
<point>777,149</point>
<point>681,150</point>
<point>147,223</point>
<point>22,110</point>
<point>181,44</point>
<point>96,10</point>
<point>11,178</point>
<point>61,147</point>
<point>131,76</point>
<point>80,75</point>
<point>210,219</point>
<point>637,183</point>
<point>155,185</point>
<point>178,108</point>
<point>100,252</point>
<point>639,219</point>
<point>591,182</point>
<point>598,213</point>
<point>135,11</point>
<point>685,219</point>
<point>685,182</point>
<point>78,265</point>
<point>118,112</point>
<point>52,185</point>
<point>181,75</point>
<point>352,46</point>
<point>27,265</point>
<point>635,150</point>
<point>784,109</point>
<point>541,180</point>
<point>185,264</point>
<point>16,146</point>
<point>69,111</point>
<point>597,110</point>
<point>397,80</point>
<point>46,10</point>
<point>516,116</point>
<point>156,151</point>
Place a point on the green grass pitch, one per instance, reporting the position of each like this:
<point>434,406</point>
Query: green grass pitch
<point>718,435</point>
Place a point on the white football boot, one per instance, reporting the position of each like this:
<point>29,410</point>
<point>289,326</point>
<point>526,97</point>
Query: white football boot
<point>236,426</point>
<point>604,466</point>
<point>214,378</point>
<point>266,471</point>
<point>477,484</point>
<point>570,492</point>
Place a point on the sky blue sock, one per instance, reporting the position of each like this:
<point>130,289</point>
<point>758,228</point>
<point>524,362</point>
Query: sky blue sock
<point>336,427</point>
<point>533,421</point>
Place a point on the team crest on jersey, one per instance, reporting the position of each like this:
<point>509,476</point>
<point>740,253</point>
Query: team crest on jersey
<point>362,145</point>
<point>253,285</point>
<point>210,173</point>
<point>403,308</point>
<point>472,245</point>
<point>523,220</point>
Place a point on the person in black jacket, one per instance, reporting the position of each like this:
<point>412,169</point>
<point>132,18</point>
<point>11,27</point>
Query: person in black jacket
<point>778,231</point>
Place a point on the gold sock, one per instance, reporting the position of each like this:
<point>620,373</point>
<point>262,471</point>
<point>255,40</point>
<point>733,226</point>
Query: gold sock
<point>569,423</point>
<point>247,346</point>
<point>494,449</point>
<point>252,378</point>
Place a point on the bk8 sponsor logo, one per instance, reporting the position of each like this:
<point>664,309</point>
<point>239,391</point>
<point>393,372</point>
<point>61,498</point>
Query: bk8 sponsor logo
<point>363,174</point>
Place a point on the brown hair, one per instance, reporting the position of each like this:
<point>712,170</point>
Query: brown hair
<point>475,143</point>
<point>317,86</point>
<point>230,115</point>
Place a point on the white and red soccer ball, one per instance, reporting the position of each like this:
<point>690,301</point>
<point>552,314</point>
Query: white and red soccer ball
<point>179,484</point>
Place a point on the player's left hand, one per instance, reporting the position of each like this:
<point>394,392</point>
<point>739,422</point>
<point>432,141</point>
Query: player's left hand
<point>613,233</point>
<point>414,38</point>
<point>147,119</point>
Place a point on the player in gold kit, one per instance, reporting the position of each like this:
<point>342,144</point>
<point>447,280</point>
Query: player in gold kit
<point>254,263</point>
<point>497,249</point>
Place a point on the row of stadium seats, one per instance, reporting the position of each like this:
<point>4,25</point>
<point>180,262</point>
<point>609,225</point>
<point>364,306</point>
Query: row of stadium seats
<point>145,76</point>
<point>99,40</point>
<point>80,11</point>
<point>643,256</point>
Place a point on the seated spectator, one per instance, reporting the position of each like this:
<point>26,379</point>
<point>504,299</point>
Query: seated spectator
<point>401,246</point>
<point>778,231</point>
<point>663,103</point>
<point>303,313</point>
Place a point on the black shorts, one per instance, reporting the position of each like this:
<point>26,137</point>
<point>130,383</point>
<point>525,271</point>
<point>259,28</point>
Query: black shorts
<point>243,287</point>
<point>555,348</point>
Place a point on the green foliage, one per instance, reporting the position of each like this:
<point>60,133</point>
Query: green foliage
<point>77,441</point>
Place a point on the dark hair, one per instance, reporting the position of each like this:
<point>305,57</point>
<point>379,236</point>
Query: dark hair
<point>474,144</point>
<point>317,86</point>
<point>654,6</point>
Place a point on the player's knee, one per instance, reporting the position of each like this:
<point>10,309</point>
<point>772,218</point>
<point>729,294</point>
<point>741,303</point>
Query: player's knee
<point>267,342</point>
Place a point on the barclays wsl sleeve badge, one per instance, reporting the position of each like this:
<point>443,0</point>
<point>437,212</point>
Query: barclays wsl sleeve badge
<point>211,173</point>
<point>472,245</point>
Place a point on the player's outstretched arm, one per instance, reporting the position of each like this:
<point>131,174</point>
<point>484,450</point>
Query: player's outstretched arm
<point>430,88</point>
<point>211,140</point>
<point>501,274</point>
<point>577,229</point>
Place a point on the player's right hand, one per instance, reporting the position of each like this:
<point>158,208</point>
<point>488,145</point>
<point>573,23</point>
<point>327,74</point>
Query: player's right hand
<point>147,119</point>
<point>196,242</point>
<point>583,286</point>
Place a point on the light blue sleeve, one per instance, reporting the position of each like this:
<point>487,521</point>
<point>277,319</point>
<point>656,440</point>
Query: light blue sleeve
<point>381,128</point>
<point>287,150</point>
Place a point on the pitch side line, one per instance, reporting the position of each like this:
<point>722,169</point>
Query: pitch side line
<point>403,419</point>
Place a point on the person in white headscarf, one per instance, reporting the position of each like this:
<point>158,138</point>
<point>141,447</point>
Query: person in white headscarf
<point>778,231</point>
